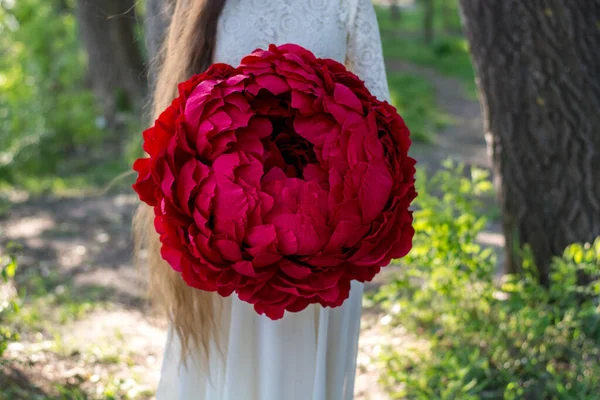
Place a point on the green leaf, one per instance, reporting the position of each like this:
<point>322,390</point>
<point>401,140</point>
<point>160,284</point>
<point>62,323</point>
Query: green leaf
<point>11,268</point>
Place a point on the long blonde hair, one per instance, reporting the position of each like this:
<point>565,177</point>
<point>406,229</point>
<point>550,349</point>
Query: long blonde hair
<point>188,49</point>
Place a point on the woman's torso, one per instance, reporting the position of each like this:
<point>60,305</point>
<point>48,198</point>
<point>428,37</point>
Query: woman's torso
<point>306,355</point>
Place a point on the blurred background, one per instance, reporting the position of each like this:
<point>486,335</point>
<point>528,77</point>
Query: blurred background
<point>462,317</point>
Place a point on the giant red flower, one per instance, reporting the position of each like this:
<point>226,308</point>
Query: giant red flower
<point>282,180</point>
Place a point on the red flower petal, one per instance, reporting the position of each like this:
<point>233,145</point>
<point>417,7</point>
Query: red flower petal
<point>281,180</point>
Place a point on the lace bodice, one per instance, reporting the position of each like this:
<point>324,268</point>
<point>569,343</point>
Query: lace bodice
<point>344,30</point>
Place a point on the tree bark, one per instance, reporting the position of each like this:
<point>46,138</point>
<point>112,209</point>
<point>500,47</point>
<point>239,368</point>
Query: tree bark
<point>538,71</point>
<point>428,9</point>
<point>395,11</point>
<point>116,67</point>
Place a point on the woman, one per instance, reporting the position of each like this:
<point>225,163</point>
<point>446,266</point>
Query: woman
<point>221,349</point>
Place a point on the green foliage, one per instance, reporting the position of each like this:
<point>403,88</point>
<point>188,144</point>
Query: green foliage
<point>46,114</point>
<point>50,124</point>
<point>489,338</point>
<point>8,305</point>
<point>51,135</point>
<point>414,98</point>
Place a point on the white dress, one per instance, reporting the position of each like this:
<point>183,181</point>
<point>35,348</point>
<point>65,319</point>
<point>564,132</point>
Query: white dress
<point>310,355</point>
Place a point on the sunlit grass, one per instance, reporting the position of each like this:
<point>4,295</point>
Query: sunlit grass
<point>47,301</point>
<point>106,389</point>
<point>414,97</point>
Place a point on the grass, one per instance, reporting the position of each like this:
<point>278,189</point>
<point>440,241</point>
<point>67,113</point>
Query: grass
<point>446,17</point>
<point>84,181</point>
<point>414,97</point>
<point>447,54</point>
<point>75,175</point>
<point>108,388</point>
<point>48,301</point>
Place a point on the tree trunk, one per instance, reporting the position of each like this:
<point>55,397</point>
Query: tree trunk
<point>395,11</point>
<point>116,67</point>
<point>428,13</point>
<point>537,65</point>
<point>446,12</point>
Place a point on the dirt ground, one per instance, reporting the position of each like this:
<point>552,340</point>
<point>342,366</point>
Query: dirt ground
<point>92,332</point>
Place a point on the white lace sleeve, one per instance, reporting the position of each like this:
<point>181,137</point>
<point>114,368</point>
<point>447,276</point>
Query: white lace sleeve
<point>364,55</point>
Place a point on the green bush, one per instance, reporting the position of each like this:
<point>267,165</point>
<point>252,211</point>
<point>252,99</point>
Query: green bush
<point>45,112</point>
<point>504,338</point>
<point>8,306</point>
<point>414,97</point>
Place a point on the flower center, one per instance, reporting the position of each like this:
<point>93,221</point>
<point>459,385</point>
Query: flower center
<point>288,151</point>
